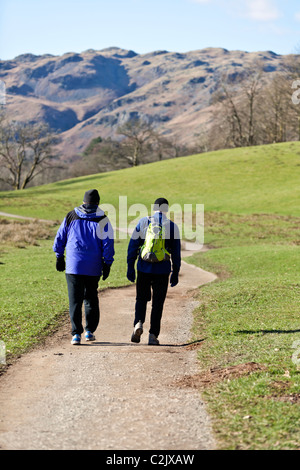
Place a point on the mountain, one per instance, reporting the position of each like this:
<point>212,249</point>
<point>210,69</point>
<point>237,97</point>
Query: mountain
<point>86,95</point>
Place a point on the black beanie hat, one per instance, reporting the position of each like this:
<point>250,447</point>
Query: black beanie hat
<point>91,197</point>
<point>161,204</point>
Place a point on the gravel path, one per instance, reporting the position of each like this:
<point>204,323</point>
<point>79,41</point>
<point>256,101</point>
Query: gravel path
<point>111,393</point>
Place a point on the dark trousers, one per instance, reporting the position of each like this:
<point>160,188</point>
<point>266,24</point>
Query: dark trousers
<point>159,285</point>
<point>83,290</point>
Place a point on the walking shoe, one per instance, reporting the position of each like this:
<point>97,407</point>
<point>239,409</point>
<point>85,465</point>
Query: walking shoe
<point>76,339</point>
<point>89,336</point>
<point>153,340</point>
<point>137,332</point>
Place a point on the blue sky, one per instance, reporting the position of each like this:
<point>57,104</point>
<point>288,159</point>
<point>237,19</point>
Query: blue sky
<point>60,26</point>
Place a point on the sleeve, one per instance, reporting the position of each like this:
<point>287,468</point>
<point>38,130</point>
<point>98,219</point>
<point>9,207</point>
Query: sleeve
<point>61,239</point>
<point>176,250</point>
<point>108,249</point>
<point>134,245</point>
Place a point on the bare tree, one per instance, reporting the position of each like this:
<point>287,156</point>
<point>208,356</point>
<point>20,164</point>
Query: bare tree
<point>240,110</point>
<point>139,136</point>
<point>164,148</point>
<point>101,155</point>
<point>25,152</point>
<point>279,116</point>
<point>276,116</point>
<point>252,90</point>
<point>107,154</point>
<point>292,72</point>
<point>257,108</point>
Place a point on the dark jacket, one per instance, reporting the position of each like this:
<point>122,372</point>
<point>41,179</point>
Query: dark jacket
<point>172,244</point>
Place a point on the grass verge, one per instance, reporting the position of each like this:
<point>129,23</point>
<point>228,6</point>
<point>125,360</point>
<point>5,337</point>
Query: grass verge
<point>250,321</point>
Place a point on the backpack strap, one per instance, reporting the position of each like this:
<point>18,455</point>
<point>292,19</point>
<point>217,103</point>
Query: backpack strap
<point>71,216</point>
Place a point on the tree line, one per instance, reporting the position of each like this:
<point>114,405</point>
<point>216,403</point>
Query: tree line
<point>139,143</point>
<point>261,113</point>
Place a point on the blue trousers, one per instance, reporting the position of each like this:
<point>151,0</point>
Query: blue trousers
<point>83,290</point>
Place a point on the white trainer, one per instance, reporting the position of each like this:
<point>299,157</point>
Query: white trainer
<point>137,332</point>
<point>76,339</point>
<point>89,336</point>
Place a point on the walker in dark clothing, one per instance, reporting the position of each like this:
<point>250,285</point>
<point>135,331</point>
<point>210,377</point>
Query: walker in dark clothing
<point>153,277</point>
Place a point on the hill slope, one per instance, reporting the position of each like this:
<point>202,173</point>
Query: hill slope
<point>90,94</point>
<point>245,180</point>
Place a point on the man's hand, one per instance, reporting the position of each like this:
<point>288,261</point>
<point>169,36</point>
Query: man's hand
<point>105,271</point>
<point>60,264</point>
<point>174,279</point>
<point>131,273</point>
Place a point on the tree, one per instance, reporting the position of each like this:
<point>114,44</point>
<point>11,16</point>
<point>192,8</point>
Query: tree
<point>139,136</point>
<point>240,111</point>
<point>101,155</point>
<point>107,154</point>
<point>25,152</point>
<point>276,116</point>
<point>292,72</point>
<point>257,107</point>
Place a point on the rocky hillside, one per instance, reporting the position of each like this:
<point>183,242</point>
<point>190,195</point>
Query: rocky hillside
<point>87,95</point>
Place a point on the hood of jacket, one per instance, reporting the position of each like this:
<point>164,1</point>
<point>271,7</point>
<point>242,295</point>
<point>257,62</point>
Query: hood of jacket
<point>87,211</point>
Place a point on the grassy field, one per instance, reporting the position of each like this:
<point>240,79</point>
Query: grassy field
<point>248,319</point>
<point>249,180</point>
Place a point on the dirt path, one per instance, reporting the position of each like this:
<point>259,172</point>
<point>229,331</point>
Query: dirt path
<point>110,394</point>
<point>23,217</point>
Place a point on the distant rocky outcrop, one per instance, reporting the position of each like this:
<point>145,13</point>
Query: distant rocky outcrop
<point>83,96</point>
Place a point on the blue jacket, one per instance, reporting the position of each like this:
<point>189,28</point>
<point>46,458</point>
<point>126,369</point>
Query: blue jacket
<point>172,244</point>
<point>88,238</point>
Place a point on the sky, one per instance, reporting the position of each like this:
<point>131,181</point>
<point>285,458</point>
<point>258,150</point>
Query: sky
<point>60,26</point>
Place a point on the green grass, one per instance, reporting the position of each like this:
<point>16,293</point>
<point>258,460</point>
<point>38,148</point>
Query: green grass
<point>247,180</point>
<point>251,314</point>
<point>25,294</point>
